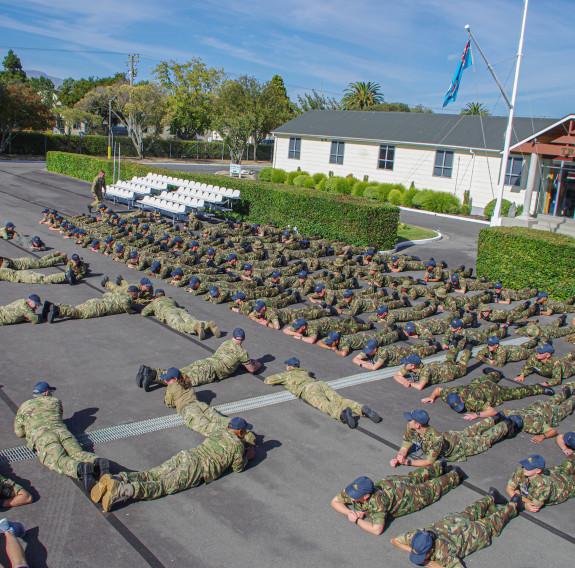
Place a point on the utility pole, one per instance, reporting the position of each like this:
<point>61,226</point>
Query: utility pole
<point>133,71</point>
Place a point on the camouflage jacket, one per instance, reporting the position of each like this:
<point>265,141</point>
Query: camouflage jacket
<point>37,416</point>
<point>17,312</point>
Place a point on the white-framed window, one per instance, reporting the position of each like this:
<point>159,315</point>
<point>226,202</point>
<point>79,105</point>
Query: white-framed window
<point>336,154</point>
<point>386,157</point>
<point>443,163</point>
<point>514,171</point>
<point>294,148</point>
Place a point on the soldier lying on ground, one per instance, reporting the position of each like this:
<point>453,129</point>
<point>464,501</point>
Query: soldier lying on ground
<point>373,357</point>
<point>27,263</point>
<point>187,469</point>
<point>39,420</point>
<point>369,505</point>
<point>310,332</point>
<point>320,395</point>
<point>29,277</point>
<point>21,311</point>
<point>343,344</point>
<point>545,364</point>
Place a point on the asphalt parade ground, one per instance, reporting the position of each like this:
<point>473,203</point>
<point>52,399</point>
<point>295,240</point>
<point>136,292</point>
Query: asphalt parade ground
<point>275,513</point>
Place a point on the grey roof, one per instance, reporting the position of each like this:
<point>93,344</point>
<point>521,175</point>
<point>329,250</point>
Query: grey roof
<point>451,130</point>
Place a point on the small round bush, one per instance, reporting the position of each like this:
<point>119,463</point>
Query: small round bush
<point>358,188</point>
<point>371,192</point>
<point>394,197</point>
<point>337,185</point>
<point>299,181</point>
<point>309,183</point>
<point>278,176</point>
<point>321,184</point>
<point>505,205</point>
<point>442,202</point>
<point>265,174</point>
<point>290,176</point>
<point>419,200</point>
<point>407,197</point>
<point>318,177</point>
<point>466,209</point>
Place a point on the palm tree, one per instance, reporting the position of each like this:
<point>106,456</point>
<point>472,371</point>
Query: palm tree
<point>361,95</point>
<point>476,109</point>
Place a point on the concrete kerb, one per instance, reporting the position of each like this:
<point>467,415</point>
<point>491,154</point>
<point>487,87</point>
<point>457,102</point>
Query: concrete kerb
<point>405,244</point>
<point>455,217</point>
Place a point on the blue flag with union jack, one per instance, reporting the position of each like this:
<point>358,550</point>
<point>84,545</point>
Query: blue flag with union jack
<point>464,63</point>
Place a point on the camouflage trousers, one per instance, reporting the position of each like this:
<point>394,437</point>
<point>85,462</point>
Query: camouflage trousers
<point>290,315</point>
<point>393,355</point>
<point>452,368</point>
<point>198,373</point>
<point>282,301</point>
<point>347,325</point>
<point>505,394</point>
<point>550,331</point>
<point>98,197</point>
<point>564,475</point>
<point>59,451</point>
<point>324,398</point>
<point>413,314</point>
<point>93,308</point>
<point>425,486</point>
<point>205,420</point>
<point>27,277</point>
<point>180,320</point>
<point>8,488</point>
<point>523,294</point>
<point>26,263</point>
<point>482,335</point>
<point>357,340</point>
<point>476,439</point>
<point>181,472</point>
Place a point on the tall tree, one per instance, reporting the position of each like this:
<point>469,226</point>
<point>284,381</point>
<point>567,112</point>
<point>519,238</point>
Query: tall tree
<point>72,91</point>
<point>475,109</point>
<point>13,72</point>
<point>398,107</point>
<point>235,114</point>
<point>315,101</point>
<point>20,109</point>
<point>359,95</point>
<point>191,90</point>
<point>44,87</point>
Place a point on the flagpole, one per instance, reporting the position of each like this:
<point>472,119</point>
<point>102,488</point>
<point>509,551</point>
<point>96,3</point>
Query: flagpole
<point>496,217</point>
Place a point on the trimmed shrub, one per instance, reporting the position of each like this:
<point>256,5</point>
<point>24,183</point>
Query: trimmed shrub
<point>318,177</point>
<point>290,176</point>
<point>355,221</point>
<point>505,205</point>
<point>337,185</point>
<point>371,192</point>
<point>465,209</point>
<point>394,197</point>
<point>520,257</point>
<point>358,188</point>
<point>321,184</point>
<point>309,183</point>
<point>442,202</point>
<point>278,176</point>
<point>299,181</point>
<point>408,196</point>
<point>265,174</point>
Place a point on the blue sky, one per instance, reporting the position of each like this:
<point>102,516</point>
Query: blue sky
<point>410,47</point>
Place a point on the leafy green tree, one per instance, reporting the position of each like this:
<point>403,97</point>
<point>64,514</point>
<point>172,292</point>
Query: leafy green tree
<point>13,72</point>
<point>359,95</point>
<point>20,109</point>
<point>44,87</point>
<point>72,91</point>
<point>315,101</point>
<point>476,109</point>
<point>398,107</point>
<point>191,90</point>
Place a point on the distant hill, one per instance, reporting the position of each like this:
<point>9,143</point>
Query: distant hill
<point>32,73</point>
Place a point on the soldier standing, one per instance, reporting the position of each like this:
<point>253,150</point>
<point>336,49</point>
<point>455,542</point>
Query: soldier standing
<point>98,184</point>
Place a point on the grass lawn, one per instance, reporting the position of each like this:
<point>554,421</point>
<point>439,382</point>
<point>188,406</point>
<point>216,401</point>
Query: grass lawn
<point>413,233</point>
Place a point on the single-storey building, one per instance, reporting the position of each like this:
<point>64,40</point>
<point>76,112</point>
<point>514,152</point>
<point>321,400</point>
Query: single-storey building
<point>451,153</point>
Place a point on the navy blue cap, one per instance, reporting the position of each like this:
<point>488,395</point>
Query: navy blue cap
<point>171,373</point>
<point>493,340</point>
<point>135,221</point>
<point>82,232</point>
<point>275,274</point>
<point>302,274</point>
<point>155,265</point>
<point>394,258</point>
<point>238,333</point>
<point>210,250</point>
<point>369,346</point>
<point>348,294</point>
<point>305,241</point>
<point>178,239</point>
<point>569,439</point>
<point>418,415</point>
<point>213,290</point>
<point>133,289</point>
<point>53,211</point>
<point>58,217</point>
<point>412,359</point>
<point>454,400</point>
<point>238,423</point>
<point>333,336</point>
<point>144,227</point>
<point>166,237</point>
<point>319,287</point>
<point>36,299</point>
<point>195,244</point>
<point>10,225</point>
<point>259,305</point>
<point>95,242</point>
<point>454,278</point>
<point>498,285</point>
<point>456,323</point>
<point>545,348</point>
<point>409,327</point>
<point>194,280</point>
<point>239,296</point>
<point>145,282</point>
<point>122,222</point>
<point>292,362</point>
<point>421,544</point>
<point>247,266</point>
<point>542,295</point>
<point>42,387</point>
<point>360,487</point>
<point>177,272</point>
<point>109,240</point>
<point>430,263</point>
<point>134,254</point>
<point>160,292</point>
<point>36,240</point>
<point>232,256</point>
<point>286,233</point>
<point>75,257</point>
<point>119,248</point>
<point>381,310</point>
<point>533,462</point>
<point>299,323</point>
<point>45,210</point>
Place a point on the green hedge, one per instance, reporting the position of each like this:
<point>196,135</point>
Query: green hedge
<point>38,143</point>
<point>519,257</point>
<point>505,206</point>
<point>333,216</point>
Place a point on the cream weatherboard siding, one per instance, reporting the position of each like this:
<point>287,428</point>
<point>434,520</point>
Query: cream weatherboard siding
<point>477,170</point>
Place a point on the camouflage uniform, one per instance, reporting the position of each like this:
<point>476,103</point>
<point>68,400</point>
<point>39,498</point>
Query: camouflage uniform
<point>27,263</point>
<point>472,285</point>
<point>554,369</point>
<point>359,305</point>
<point>460,534</point>
<point>399,495</point>
<point>288,315</point>
<point>508,294</point>
<point>227,358</point>
<point>40,421</point>
<point>97,185</point>
<point>190,468</point>
<point>18,312</point>
<point>550,331</point>
<point>111,303</point>
<point>28,277</point>
<point>404,264</point>
<point>144,297</point>
<point>438,372</point>
<point>419,312</point>
<point>507,353</point>
<point>317,393</point>
<point>198,416</point>
<point>484,392</point>
<point>428,328</point>
<point>552,486</point>
<point>510,316</point>
<point>392,356</point>
<point>324,326</point>
<point>8,488</point>
<point>167,311</point>
<point>466,302</point>
<point>558,307</point>
<point>357,340</point>
<point>455,445</point>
